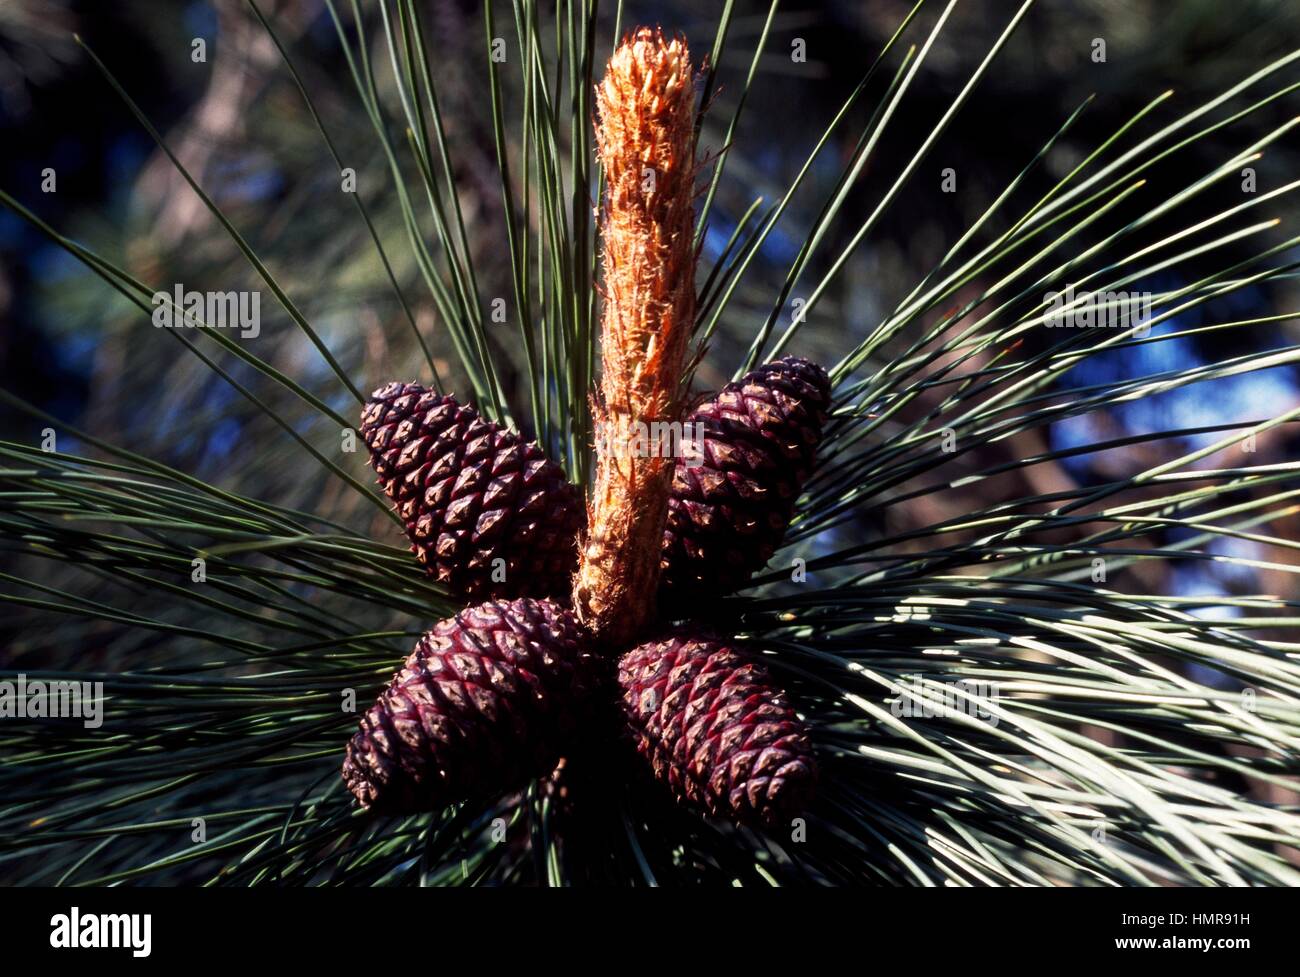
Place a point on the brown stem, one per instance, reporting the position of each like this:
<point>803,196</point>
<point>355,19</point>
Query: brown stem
<point>644,136</point>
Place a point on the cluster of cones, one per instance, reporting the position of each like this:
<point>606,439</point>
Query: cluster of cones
<point>499,692</point>
<point>573,604</point>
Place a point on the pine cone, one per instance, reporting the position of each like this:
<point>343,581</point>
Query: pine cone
<point>728,514</point>
<point>471,493</point>
<point>488,699</point>
<point>716,731</point>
